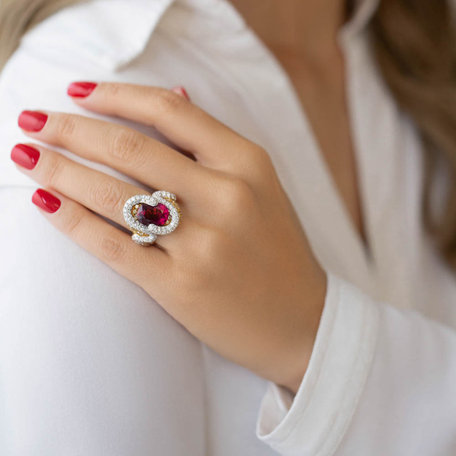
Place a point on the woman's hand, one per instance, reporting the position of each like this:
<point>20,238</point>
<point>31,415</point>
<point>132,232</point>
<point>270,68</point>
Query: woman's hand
<point>238,271</point>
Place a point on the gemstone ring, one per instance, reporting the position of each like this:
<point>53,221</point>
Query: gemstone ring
<point>149,216</point>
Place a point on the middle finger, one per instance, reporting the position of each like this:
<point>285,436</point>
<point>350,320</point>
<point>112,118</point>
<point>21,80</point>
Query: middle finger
<point>131,152</point>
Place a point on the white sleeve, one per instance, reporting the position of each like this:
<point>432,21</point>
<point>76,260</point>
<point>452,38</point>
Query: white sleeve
<point>380,381</point>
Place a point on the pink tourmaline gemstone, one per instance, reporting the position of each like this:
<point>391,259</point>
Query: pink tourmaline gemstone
<point>158,215</point>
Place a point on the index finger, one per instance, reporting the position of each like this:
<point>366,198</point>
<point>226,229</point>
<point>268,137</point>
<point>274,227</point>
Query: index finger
<point>181,121</point>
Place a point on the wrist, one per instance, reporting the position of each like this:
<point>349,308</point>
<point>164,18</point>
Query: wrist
<point>293,381</point>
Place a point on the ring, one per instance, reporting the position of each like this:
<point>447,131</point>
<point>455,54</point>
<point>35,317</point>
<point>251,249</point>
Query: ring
<point>149,216</point>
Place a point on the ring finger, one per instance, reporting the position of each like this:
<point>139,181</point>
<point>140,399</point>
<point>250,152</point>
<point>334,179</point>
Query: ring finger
<point>93,189</point>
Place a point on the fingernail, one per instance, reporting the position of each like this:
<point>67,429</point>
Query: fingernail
<point>181,91</point>
<point>25,156</point>
<point>81,89</point>
<point>46,201</point>
<point>32,120</point>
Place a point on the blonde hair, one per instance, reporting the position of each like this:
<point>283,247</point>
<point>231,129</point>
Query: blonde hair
<point>414,42</point>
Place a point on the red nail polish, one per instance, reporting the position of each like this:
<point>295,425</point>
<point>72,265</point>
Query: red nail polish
<point>46,201</point>
<point>181,91</point>
<point>25,156</point>
<point>32,120</point>
<point>81,89</point>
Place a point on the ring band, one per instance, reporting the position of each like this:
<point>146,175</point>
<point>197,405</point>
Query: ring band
<point>149,216</point>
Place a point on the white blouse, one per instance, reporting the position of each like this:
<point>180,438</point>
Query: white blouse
<point>90,365</point>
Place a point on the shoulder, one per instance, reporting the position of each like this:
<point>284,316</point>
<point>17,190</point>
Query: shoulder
<point>92,40</point>
<point>107,33</point>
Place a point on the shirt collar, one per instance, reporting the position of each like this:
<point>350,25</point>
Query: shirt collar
<point>363,12</point>
<point>114,32</point>
<point>110,33</point>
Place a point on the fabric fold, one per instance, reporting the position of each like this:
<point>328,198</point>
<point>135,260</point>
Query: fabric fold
<point>315,420</point>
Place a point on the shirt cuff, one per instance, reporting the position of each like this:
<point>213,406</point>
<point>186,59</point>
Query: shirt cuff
<point>314,421</point>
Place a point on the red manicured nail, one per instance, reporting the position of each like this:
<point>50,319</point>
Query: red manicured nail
<point>32,120</point>
<point>181,91</point>
<point>81,89</point>
<point>46,201</point>
<point>25,156</point>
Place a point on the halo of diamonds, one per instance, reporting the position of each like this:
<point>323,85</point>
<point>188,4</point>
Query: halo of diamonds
<point>146,235</point>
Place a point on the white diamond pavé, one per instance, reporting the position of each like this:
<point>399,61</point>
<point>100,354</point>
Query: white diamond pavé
<point>163,194</point>
<point>144,240</point>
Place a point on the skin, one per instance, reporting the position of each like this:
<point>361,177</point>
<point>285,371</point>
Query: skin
<point>250,293</point>
<point>303,37</point>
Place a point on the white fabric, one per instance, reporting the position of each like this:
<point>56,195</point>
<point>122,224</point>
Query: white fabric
<point>90,365</point>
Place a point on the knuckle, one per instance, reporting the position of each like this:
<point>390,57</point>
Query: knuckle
<point>66,125</point>
<point>126,146</point>
<point>211,247</point>
<point>53,170</point>
<point>111,249</point>
<point>235,193</point>
<point>198,267</point>
<point>112,89</point>
<point>71,222</point>
<point>167,101</point>
<point>108,196</point>
<point>258,162</point>
<point>260,155</point>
